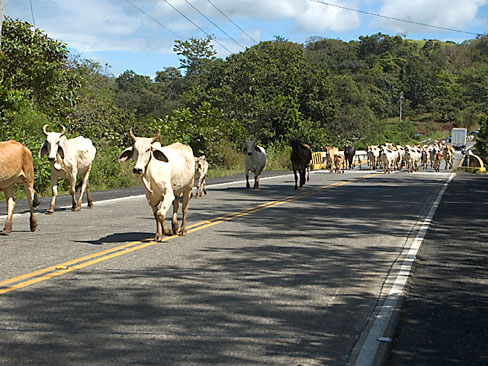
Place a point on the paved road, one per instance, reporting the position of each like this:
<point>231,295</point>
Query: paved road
<point>445,316</point>
<point>268,277</point>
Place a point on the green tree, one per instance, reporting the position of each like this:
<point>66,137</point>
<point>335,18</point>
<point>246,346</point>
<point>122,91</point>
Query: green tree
<point>35,68</point>
<point>194,54</point>
<point>269,88</point>
<point>97,115</point>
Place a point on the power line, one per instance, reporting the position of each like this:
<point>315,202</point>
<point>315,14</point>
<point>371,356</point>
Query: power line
<point>242,30</point>
<point>210,20</point>
<point>154,20</point>
<point>196,25</point>
<point>392,18</point>
<point>32,12</point>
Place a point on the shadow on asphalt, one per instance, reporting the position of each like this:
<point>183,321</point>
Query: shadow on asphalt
<point>444,319</point>
<point>118,238</point>
<point>251,300</point>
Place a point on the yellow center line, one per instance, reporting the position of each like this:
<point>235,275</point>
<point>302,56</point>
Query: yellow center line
<point>94,258</point>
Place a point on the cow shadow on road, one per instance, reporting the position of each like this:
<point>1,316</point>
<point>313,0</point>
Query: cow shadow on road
<point>119,238</point>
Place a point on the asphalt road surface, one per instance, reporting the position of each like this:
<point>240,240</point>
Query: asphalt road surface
<point>274,276</point>
<point>444,319</point>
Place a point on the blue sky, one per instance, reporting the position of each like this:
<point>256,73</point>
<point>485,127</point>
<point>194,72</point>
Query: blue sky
<point>139,35</point>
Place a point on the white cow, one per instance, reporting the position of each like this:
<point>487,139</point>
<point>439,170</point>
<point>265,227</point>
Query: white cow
<point>201,169</point>
<point>386,159</point>
<point>254,161</point>
<point>413,158</point>
<point>167,172</point>
<point>373,154</point>
<point>425,159</point>
<point>68,158</point>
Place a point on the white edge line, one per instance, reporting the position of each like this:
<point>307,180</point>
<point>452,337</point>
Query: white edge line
<point>370,346</point>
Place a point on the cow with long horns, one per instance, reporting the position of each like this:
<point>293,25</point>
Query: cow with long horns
<point>68,158</point>
<point>167,173</point>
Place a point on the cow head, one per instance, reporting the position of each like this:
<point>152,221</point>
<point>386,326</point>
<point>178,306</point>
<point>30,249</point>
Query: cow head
<point>250,148</point>
<point>54,144</point>
<point>199,162</point>
<point>143,150</point>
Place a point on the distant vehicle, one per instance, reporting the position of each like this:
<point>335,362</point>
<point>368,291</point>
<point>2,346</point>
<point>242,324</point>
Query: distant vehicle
<point>458,137</point>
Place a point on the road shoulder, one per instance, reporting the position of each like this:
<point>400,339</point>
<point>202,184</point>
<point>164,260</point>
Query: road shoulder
<point>443,321</point>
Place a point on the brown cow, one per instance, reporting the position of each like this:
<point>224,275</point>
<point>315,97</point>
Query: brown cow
<point>339,163</point>
<point>300,160</point>
<point>331,152</point>
<point>16,167</point>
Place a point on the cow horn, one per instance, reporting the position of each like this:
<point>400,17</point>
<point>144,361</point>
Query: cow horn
<point>63,130</point>
<point>131,133</point>
<point>44,129</point>
<point>156,136</point>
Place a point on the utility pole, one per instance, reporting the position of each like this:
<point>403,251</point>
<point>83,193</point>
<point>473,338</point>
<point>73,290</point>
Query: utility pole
<point>401,102</point>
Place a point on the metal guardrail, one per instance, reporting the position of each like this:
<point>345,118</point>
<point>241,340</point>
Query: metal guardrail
<point>471,162</point>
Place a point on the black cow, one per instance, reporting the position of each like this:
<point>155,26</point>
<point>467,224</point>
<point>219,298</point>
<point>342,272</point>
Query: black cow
<point>349,152</point>
<point>300,159</point>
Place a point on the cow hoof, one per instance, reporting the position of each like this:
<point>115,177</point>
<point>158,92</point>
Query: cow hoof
<point>90,205</point>
<point>5,233</point>
<point>182,233</point>
<point>75,209</point>
<point>50,210</point>
<point>158,237</point>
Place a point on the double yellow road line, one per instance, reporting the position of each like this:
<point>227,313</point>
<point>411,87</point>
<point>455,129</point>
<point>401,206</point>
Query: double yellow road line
<point>60,269</point>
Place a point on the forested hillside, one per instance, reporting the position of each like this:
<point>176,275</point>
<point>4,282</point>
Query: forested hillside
<point>323,92</point>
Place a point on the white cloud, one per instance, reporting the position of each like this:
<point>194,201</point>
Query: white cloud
<point>454,14</point>
<point>318,17</point>
<point>96,25</point>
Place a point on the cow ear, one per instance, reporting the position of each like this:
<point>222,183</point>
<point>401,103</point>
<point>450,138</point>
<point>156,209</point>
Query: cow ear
<point>258,148</point>
<point>43,150</point>
<point>159,155</point>
<point>61,152</point>
<point>126,154</point>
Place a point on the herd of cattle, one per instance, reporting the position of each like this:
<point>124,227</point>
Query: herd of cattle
<point>168,173</point>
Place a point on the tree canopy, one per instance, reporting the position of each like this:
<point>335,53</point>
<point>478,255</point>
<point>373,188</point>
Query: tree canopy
<point>325,91</point>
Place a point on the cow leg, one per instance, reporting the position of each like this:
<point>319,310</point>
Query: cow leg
<point>9,197</point>
<point>302,177</point>
<point>54,187</point>
<point>204,188</point>
<point>296,178</point>
<point>257,173</point>
<point>88,195</point>
<point>72,190</point>
<point>247,179</point>
<point>174,218</point>
<point>184,210</point>
<point>165,204</point>
<point>159,229</point>
<point>84,187</point>
<point>30,200</point>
